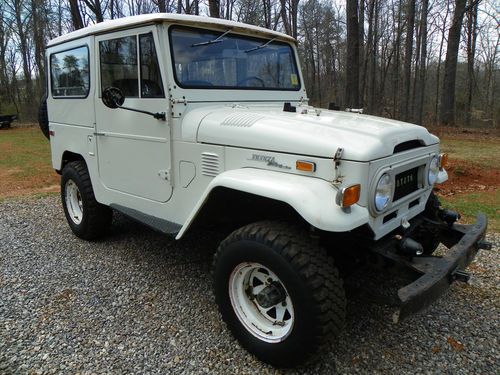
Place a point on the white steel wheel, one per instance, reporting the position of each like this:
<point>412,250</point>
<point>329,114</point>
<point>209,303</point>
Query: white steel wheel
<point>278,293</point>
<point>261,302</point>
<point>87,218</point>
<point>74,202</point>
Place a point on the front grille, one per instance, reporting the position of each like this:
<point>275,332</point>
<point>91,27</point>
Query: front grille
<point>406,183</point>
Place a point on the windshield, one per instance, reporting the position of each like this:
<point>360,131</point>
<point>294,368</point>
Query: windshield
<point>221,60</point>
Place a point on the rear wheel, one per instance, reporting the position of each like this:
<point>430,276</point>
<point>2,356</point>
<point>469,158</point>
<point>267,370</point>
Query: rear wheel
<point>279,294</point>
<point>87,218</point>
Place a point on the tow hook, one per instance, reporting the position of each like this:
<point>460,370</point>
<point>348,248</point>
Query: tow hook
<point>409,246</point>
<point>460,275</point>
<point>449,216</point>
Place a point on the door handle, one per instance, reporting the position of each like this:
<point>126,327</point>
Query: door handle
<point>100,133</point>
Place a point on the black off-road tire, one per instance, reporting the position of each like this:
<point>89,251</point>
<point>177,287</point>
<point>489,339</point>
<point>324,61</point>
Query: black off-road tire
<point>308,275</point>
<point>43,117</point>
<point>96,218</point>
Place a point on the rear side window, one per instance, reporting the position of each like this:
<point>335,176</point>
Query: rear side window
<point>135,71</point>
<point>69,72</point>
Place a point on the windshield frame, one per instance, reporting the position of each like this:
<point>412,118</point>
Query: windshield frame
<point>271,40</point>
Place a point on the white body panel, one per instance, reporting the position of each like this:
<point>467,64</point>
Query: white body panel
<point>238,139</point>
<point>362,137</point>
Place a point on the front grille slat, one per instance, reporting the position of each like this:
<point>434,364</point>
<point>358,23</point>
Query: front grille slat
<point>406,183</point>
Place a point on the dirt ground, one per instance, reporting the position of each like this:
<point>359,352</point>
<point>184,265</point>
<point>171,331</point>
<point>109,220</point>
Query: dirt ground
<point>465,174</point>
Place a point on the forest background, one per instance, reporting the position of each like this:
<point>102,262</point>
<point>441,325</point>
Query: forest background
<point>431,62</point>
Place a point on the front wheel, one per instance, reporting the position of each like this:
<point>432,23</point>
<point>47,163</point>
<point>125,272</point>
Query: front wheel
<point>279,294</point>
<point>87,218</point>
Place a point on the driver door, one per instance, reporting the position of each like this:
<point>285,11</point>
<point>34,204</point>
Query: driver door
<point>134,149</point>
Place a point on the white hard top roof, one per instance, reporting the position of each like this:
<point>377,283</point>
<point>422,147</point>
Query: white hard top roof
<point>144,19</point>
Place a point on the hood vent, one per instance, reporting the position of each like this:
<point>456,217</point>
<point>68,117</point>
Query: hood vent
<point>241,120</point>
<point>408,145</point>
<point>209,164</point>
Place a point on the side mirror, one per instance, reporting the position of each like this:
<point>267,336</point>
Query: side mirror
<point>112,97</point>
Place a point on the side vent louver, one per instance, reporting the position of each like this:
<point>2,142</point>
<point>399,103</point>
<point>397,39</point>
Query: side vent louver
<point>209,164</point>
<point>241,120</point>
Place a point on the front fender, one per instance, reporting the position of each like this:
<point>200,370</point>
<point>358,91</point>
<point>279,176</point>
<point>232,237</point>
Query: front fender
<point>312,198</point>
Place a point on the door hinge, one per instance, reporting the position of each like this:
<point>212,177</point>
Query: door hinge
<point>164,174</point>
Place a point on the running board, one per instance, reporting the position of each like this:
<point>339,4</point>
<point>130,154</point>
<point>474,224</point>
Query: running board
<point>161,225</point>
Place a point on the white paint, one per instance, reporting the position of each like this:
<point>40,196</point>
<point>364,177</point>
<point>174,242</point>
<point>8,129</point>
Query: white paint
<point>238,139</point>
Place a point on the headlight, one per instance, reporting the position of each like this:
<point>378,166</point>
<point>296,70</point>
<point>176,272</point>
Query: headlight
<point>433,170</point>
<point>383,192</point>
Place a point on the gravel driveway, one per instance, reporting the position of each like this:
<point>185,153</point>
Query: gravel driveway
<point>139,302</point>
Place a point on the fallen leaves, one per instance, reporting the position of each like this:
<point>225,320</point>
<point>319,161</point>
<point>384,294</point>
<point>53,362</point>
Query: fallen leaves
<point>456,345</point>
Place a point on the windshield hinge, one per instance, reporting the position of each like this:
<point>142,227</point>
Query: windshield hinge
<point>179,101</point>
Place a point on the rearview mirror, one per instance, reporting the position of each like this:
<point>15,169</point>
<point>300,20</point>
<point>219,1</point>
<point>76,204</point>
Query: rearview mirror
<point>112,97</point>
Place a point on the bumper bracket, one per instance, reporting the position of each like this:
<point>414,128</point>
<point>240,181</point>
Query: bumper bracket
<point>438,272</point>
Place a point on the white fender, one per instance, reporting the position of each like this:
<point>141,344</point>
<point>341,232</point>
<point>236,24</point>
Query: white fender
<point>312,198</point>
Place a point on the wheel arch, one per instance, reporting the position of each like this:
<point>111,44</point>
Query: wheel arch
<point>292,197</point>
<point>68,157</point>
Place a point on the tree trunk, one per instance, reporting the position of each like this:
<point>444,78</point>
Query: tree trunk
<point>471,52</point>
<point>419,106</point>
<point>410,25</point>
<point>446,109</point>
<point>352,66</point>
<point>162,7</point>
<point>361,40</point>
<point>95,7</point>
<point>395,89</point>
<point>76,15</point>
<point>214,7</point>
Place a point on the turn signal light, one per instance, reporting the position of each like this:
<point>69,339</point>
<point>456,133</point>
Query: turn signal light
<point>349,195</point>
<point>443,160</point>
<point>306,166</point>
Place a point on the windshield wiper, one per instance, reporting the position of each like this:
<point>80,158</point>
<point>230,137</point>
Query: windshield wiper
<point>259,47</point>
<point>208,42</point>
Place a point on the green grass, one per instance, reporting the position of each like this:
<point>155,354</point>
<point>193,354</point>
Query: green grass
<point>470,204</point>
<point>484,153</point>
<point>25,162</point>
<point>25,151</point>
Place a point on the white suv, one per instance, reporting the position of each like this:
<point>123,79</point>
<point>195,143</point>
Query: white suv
<point>183,121</point>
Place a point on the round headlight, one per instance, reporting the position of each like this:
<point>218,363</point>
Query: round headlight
<point>383,192</point>
<point>433,170</point>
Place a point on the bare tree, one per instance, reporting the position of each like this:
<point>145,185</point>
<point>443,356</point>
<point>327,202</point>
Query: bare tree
<point>420,86</point>
<point>214,7</point>
<point>447,103</point>
<point>471,52</point>
<point>410,25</point>
<point>352,73</point>
<point>76,15</point>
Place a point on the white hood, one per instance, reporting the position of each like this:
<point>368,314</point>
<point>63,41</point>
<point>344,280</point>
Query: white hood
<point>362,137</point>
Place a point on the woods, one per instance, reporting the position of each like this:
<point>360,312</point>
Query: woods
<point>433,62</point>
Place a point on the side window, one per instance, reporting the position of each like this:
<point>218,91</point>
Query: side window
<point>119,65</point>
<point>120,68</point>
<point>151,86</point>
<point>69,73</point>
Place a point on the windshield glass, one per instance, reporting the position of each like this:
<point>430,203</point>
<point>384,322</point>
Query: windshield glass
<point>221,60</point>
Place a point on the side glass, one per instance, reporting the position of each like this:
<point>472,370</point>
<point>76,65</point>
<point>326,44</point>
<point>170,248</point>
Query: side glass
<point>69,72</point>
<point>151,85</point>
<point>119,65</point>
